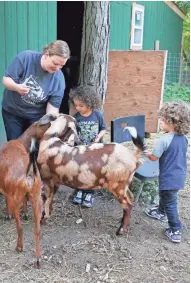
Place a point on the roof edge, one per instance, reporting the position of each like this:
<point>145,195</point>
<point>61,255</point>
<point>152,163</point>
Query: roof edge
<point>176,9</point>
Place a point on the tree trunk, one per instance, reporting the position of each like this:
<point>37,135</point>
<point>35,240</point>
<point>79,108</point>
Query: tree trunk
<point>95,46</point>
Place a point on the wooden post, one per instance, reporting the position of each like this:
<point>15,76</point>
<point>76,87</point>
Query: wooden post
<point>157,43</point>
<point>181,62</point>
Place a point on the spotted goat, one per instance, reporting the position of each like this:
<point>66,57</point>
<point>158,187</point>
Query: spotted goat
<point>20,177</point>
<point>94,166</point>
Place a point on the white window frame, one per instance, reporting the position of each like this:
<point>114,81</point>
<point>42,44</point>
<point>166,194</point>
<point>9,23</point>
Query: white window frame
<point>136,8</point>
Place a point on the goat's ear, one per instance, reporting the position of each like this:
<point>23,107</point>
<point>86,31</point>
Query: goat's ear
<point>48,118</point>
<point>73,140</point>
<point>77,142</point>
<point>76,139</point>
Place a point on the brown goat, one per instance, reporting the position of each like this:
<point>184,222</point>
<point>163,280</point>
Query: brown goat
<point>95,166</point>
<point>20,176</point>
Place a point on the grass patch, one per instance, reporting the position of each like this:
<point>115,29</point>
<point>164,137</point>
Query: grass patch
<point>174,92</point>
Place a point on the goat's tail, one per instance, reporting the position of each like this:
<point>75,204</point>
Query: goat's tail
<point>137,140</point>
<point>32,168</point>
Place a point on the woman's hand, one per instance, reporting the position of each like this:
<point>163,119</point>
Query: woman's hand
<point>22,89</point>
<point>10,84</point>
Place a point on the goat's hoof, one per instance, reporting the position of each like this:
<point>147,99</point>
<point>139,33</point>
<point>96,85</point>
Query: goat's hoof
<point>43,221</point>
<point>37,263</point>
<point>19,249</point>
<point>122,231</point>
<point>8,217</point>
<point>25,216</point>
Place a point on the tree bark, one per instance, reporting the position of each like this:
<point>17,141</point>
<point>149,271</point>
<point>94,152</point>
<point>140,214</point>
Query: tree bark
<point>95,46</point>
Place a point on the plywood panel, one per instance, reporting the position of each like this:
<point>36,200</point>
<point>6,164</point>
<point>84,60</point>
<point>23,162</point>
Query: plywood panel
<point>135,85</point>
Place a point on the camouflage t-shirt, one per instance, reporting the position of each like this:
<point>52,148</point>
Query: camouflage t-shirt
<point>89,127</point>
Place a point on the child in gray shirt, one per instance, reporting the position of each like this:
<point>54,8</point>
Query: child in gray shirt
<point>171,150</point>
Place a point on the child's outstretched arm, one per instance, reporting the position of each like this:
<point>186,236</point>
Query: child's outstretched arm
<point>161,145</point>
<point>100,135</point>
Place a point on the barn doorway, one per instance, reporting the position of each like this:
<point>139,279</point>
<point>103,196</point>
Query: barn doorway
<point>69,28</point>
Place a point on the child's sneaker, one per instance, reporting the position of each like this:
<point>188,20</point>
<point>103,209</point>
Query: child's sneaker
<point>174,237</point>
<point>154,213</point>
<point>78,197</point>
<point>87,200</point>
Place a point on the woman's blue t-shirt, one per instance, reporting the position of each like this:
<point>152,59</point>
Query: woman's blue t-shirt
<point>44,87</point>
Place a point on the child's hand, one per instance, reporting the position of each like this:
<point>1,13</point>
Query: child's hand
<point>147,153</point>
<point>151,156</point>
<point>97,139</point>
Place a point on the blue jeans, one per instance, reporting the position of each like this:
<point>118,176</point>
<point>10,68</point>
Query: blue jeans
<point>15,125</point>
<point>168,206</point>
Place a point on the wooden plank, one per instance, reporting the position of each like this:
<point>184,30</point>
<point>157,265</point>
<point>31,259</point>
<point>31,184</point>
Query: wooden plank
<point>33,25</point>
<point>3,67</point>
<point>52,22</point>
<point>175,8</point>
<point>22,25</point>
<point>43,24</point>
<point>135,85</point>
<point>2,42</point>
<point>10,31</point>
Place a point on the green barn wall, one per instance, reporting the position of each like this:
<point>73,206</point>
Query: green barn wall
<point>120,21</point>
<point>32,24</point>
<point>160,23</point>
<point>163,24</point>
<point>24,25</point>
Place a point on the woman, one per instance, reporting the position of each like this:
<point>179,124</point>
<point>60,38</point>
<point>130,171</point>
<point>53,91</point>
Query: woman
<point>34,86</point>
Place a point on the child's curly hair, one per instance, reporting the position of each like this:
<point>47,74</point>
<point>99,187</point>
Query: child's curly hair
<point>176,113</point>
<point>88,95</point>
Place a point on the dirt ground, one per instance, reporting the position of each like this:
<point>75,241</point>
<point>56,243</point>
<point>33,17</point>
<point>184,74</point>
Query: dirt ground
<point>90,252</point>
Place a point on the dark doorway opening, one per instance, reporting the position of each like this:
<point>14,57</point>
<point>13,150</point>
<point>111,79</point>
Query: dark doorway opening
<point>69,29</point>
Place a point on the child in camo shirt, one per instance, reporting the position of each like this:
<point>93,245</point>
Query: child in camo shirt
<point>91,128</point>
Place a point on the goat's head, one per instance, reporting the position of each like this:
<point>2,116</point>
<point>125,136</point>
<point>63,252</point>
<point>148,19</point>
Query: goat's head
<point>64,127</point>
<point>43,124</point>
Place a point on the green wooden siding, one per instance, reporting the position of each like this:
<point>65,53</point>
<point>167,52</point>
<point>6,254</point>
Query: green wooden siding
<point>163,24</point>
<point>32,24</point>
<point>120,19</point>
<point>24,25</point>
<point>160,23</point>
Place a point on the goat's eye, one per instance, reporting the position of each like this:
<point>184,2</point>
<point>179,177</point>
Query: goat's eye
<point>54,135</point>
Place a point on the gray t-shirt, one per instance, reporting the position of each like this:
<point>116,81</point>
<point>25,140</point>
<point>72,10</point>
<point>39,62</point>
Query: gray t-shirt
<point>44,87</point>
<point>171,149</point>
<point>89,127</point>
